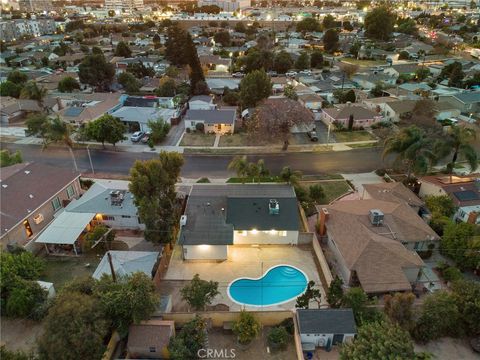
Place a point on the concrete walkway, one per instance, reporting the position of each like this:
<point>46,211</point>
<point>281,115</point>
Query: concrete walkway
<point>217,140</point>
<point>359,179</point>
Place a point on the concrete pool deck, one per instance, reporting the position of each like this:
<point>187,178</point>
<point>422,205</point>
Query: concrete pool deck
<point>246,261</point>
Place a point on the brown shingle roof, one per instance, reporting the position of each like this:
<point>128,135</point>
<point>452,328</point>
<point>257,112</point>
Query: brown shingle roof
<point>25,187</point>
<point>456,187</point>
<point>394,192</point>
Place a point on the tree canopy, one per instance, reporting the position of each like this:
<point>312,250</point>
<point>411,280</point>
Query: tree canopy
<point>379,23</point>
<point>96,71</point>
<point>254,87</point>
<point>106,129</point>
<point>122,49</point>
<point>199,293</point>
<point>68,84</point>
<point>330,40</point>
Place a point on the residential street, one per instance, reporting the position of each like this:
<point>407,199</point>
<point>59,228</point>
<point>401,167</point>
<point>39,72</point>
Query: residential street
<point>212,166</point>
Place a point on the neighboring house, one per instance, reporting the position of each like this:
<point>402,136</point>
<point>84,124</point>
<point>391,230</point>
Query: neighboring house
<point>393,192</point>
<point>374,243</point>
<point>401,69</point>
<point>201,102</point>
<point>112,205</point>
<point>396,110</point>
<point>150,339</point>
<point>467,102</point>
<point>218,85</point>
<point>220,216</point>
<point>378,105</point>
<point>126,263</point>
<point>370,80</point>
<point>31,194</point>
<point>137,118</point>
<point>325,327</point>
<point>341,115</point>
<point>215,63</point>
<point>16,110</point>
<point>463,190</point>
<point>51,81</point>
<point>214,121</point>
<point>311,101</point>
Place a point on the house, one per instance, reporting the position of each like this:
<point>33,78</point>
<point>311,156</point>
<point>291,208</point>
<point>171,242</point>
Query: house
<point>218,85</point>
<point>407,69</point>
<point>215,63</point>
<point>374,243</point>
<point>392,192</point>
<point>31,195</point>
<point>325,327</point>
<point>340,116</point>
<point>137,118</point>
<point>370,80</point>
<point>150,339</point>
<point>378,105</point>
<point>218,217</point>
<point>111,203</point>
<point>201,102</point>
<point>126,263</point>
<point>311,101</point>
<point>463,190</point>
<point>396,110</point>
<point>467,102</point>
<point>214,121</point>
<point>16,110</point>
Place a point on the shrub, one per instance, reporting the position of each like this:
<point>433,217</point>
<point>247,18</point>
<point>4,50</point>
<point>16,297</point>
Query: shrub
<point>200,127</point>
<point>288,325</point>
<point>451,274</point>
<point>380,172</point>
<point>278,337</point>
<point>246,328</point>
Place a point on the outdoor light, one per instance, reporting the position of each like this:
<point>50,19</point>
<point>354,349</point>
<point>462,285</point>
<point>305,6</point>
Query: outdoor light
<point>254,231</point>
<point>204,247</point>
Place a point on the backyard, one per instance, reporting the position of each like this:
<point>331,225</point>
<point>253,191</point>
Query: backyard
<point>197,139</point>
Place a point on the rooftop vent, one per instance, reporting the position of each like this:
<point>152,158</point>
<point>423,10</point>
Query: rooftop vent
<point>27,172</point>
<point>376,217</point>
<point>116,197</point>
<point>273,207</point>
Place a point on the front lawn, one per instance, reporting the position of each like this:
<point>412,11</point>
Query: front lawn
<point>332,189</point>
<point>350,136</point>
<point>240,139</point>
<point>197,139</point>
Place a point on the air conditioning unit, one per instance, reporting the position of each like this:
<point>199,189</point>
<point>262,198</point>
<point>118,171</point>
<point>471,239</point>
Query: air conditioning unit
<point>37,219</point>
<point>376,217</point>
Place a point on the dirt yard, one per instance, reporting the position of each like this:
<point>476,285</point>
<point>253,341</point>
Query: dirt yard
<point>448,349</point>
<point>20,334</point>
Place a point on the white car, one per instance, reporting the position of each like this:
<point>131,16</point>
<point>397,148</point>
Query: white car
<point>136,136</point>
<point>305,72</point>
<point>291,74</point>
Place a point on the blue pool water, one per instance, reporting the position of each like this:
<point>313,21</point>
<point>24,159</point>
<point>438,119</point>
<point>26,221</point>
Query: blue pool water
<point>278,285</point>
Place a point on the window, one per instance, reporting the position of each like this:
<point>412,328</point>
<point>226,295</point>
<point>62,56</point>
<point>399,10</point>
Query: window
<point>70,191</point>
<point>28,229</point>
<point>56,204</point>
<point>153,349</point>
<point>108,218</point>
<point>282,233</point>
<point>126,216</point>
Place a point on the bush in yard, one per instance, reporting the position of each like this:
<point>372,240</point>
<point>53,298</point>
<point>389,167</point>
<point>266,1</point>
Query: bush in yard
<point>278,337</point>
<point>24,298</point>
<point>200,127</point>
<point>199,292</point>
<point>452,273</point>
<point>288,325</point>
<point>246,328</point>
<point>188,341</point>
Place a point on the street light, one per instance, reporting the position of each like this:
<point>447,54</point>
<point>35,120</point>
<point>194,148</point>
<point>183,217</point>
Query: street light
<point>90,158</point>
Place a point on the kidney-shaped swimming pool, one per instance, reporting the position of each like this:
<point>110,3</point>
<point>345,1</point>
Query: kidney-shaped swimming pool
<point>278,285</point>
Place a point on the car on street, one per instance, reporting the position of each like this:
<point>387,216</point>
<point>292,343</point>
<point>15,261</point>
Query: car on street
<point>272,73</point>
<point>238,75</point>
<point>137,136</point>
<point>305,72</point>
<point>291,74</point>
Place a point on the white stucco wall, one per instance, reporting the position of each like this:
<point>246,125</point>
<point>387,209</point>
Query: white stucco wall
<point>120,222</point>
<point>205,252</point>
<point>265,237</point>
<point>321,339</point>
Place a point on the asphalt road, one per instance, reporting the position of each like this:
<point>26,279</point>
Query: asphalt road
<point>213,166</point>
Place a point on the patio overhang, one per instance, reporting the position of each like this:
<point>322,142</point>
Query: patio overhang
<point>65,229</point>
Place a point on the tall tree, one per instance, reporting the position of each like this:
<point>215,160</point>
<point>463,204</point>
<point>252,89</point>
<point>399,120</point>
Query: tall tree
<point>330,40</point>
<point>240,165</point>
<point>61,132</point>
<point>106,129</point>
<point>461,242</point>
<point>467,298</point>
<point>254,87</point>
<point>316,59</point>
<point>199,293</point>
<point>290,176</point>
<point>38,125</point>
<point>458,144</point>
<point>303,61</point>
<point>379,23</point>
<point>34,92</point>
<point>197,78</point>
<point>129,82</point>
<point>274,119</point>
<point>328,22</point>
<point>335,293</point>
<point>74,328</point>
<point>308,25</point>
<point>380,340</point>
<point>68,84</point>
<point>130,299</point>
<point>96,71</point>
<point>310,294</point>
<point>413,149</point>
<point>122,49</point>
<point>152,183</point>
<point>399,309</point>
<point>282,62</point>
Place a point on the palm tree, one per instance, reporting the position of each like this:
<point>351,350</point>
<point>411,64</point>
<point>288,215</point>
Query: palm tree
<point>290,176</point>
<point>413,148</point>
<point>33,92</point>
<point>240,165</point>
<point>253,171</point>
<point>262,169</point>
<point>60,131</point>
<point>458,142</point>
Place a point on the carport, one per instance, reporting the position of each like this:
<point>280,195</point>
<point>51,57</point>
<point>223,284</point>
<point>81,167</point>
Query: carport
<point>61,236</point>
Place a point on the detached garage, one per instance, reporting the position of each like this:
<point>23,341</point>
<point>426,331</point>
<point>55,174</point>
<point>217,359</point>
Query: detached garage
<point>325,327</point>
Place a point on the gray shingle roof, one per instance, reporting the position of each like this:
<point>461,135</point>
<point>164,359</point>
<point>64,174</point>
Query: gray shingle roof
<point>212,116</point>
<point>326,321</point>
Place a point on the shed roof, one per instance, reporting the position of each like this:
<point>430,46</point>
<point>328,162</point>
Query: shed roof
<point>326,321</point>
<point>126,263</point>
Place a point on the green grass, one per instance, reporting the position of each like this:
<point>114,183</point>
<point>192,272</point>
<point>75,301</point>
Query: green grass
<point>322,177</point>
<point>197,139</point>
<point>363,62</point>
<point>332,189</point>
<point>237,180</point>
<point>203,180</point>
<point>60,270</point>
<point>349,136</point>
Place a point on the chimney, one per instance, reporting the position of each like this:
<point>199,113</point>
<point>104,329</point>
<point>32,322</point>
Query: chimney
<point>323,221</point>
<point>472,217</point>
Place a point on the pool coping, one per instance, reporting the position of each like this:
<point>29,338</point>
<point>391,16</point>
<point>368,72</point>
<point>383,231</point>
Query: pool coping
<point>260,277</point>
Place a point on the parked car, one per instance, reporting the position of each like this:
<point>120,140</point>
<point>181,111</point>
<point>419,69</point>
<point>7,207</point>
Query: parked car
<point>145,137</point>
<point>305,72</point>
<point>312,135</point>
<point>238,75</point>
<point>272,73</point>
<point>136,136</point>
<point>291,74</point>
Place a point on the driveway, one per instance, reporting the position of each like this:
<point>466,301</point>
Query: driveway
<point>364,178</point>
<point>322,133</point>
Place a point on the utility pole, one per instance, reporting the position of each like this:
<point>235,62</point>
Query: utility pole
<point>114,277</point>
<point>90,158</point>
